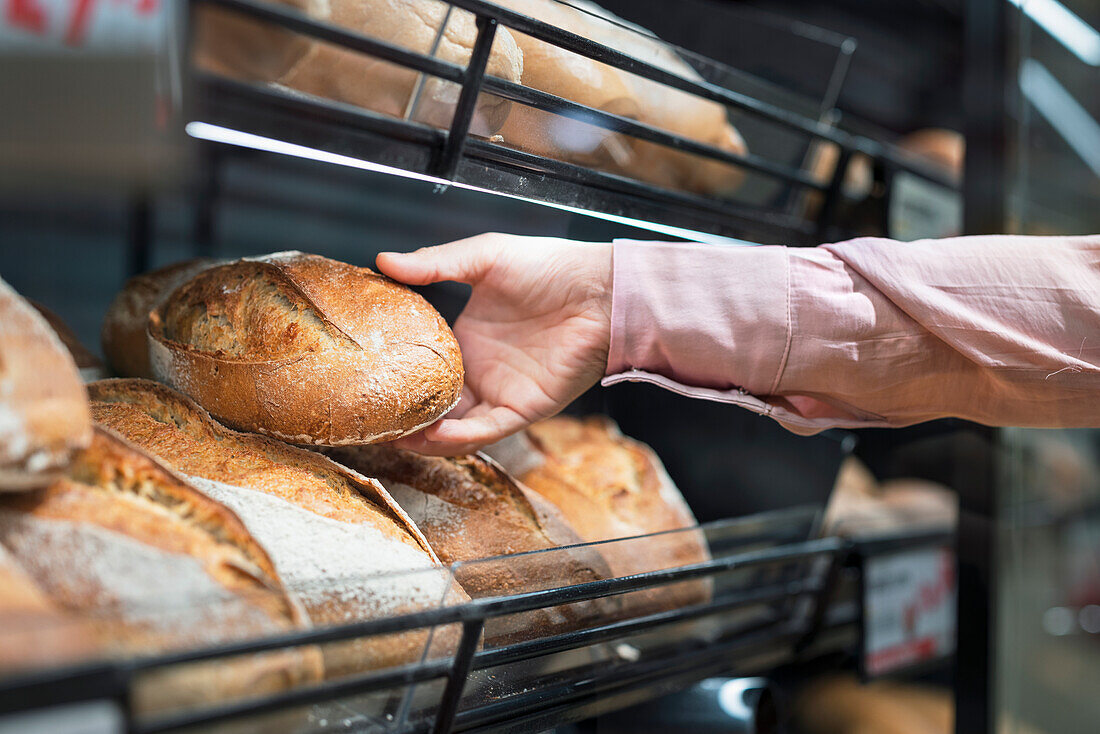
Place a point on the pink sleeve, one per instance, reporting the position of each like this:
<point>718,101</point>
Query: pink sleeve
<point>1001,330</point>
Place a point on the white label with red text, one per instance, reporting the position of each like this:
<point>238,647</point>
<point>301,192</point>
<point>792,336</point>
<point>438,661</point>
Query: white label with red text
<point>909,607</point>
<point>60,26</point>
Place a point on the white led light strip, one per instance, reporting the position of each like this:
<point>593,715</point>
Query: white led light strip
<point>1065,26</point>
<point>228,136</point>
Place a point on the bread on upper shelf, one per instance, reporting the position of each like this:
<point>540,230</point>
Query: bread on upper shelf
<point>43,406</point>
<point>124,335</point>
<point>338,540</point>
<point>307,349</point>
<point>577,78</point>
<point>609,486</point>
<point>469,508</point>
<point>150,565</point>
<point>233,45</point>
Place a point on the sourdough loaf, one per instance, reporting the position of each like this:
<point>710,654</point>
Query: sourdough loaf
<point>308,350</point>
<point>124,334</point>
<point>43,407</point>
<point>469,508</point>
<point>580,79</point>
<point>242,48</point>
<point>151,565</point>
<point>338,540</point>
<point>608,487</point>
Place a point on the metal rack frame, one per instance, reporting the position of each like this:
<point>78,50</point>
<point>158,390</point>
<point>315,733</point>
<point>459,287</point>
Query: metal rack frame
<point>786,634</point>
<point>453,155</point>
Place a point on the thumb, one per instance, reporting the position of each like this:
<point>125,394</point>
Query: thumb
<point>465,261</point>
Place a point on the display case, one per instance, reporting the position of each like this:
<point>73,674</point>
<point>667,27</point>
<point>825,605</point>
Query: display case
<point>254,166</point>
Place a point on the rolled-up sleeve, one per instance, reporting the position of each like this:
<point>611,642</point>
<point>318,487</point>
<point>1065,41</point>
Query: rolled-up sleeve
<point>871,332</point>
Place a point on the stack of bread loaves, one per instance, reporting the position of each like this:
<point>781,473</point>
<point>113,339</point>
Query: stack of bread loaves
<point>141,517</point>
<point>233,45</point>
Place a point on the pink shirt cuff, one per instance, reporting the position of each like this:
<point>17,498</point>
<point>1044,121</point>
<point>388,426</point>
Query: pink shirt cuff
<point>670,308</point>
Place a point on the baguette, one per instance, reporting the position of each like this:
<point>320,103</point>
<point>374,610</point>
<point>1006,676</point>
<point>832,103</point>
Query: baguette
<point>151,565</point>
<point>43,406</point>
<point>308,350</point>
<point>469,508</point>
<point>124,333</point>
<point>610,487</point>
<point>232,45</point>
<point>338,540</point>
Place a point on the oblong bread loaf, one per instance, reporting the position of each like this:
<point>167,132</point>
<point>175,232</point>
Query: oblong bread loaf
<point>151,565</point>
<point>577,78</point>
<point>609,487</point>
<point>124,334</point>
<point>90,366</point>
<point>339,541</point>
<point>43,406</point>
<point>243,48</point>
<point>469,508</point>
<point>307,349</point>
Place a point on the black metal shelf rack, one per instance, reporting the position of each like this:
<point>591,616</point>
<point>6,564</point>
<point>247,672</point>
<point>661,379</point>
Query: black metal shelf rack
<point>800,610</point>
<point>455,156</point>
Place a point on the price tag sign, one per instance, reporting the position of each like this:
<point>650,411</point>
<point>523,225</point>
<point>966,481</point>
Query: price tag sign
<point>59,26</point>
<point>909,609</point>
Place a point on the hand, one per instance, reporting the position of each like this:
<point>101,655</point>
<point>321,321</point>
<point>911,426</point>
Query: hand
<point>534,334</point>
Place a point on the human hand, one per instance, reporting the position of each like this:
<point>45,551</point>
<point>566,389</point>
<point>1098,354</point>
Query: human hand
<point>534,334</point>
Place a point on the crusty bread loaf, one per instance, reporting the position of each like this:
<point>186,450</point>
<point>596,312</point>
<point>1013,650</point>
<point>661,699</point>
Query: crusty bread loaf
<point>609,486</point>
<point>124,335</point>
<point>43,407</point>
<point>152,565</point>
<point>90,366</point>
<point>34,632</point>
<point>577,78</point>
<point>469,508</point>
<point>308,350</point>
<point>247,49</point>
<point>333,534</point>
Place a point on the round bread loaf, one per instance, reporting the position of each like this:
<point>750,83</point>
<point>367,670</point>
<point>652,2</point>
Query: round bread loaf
<point>470,509</point>
<point>308,350</point>
<point>124,335</point>
<point>43,407</point>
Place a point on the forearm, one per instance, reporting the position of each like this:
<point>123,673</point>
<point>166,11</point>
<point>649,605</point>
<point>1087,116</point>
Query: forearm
<point>868,332</point>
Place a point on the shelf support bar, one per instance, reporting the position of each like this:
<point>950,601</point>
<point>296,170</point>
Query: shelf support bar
<point>456,680</point>
<point>446,164</point>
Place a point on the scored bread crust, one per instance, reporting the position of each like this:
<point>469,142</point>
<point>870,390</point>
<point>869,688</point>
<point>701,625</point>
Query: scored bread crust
<point>123,335</point>
<point>44,416</point>
<point>116,496</point>
<point>308,350</point>
<point>469,509</point>
<point>177,430</point>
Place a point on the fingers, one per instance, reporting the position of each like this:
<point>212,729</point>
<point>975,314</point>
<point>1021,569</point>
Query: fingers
<point>465,261</point>
<point>457,436</point>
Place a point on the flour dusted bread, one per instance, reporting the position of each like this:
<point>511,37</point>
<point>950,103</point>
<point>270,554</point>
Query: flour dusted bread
<point>307,349</point>
<point>124,333</point>
<point>243,48</point>
<point>43,407</point>
<point>337,539</point>
<point>580,79</point>
<point>151,565</point>
<point>469,508</point>
<point>609,486</point>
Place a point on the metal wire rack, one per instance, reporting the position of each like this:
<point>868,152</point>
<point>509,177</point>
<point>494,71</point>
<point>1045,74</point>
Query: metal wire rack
<point>773,599</point>
<point>455,156</point>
